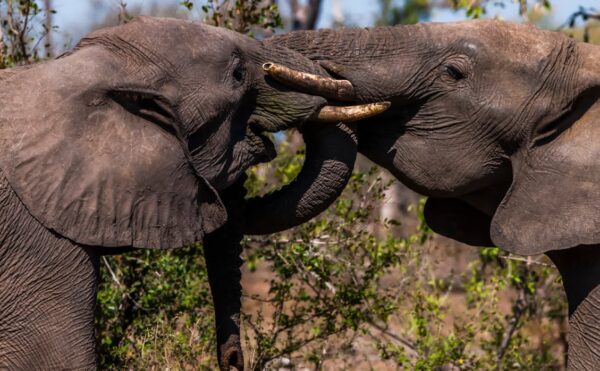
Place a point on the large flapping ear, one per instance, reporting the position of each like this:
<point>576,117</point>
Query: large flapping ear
<point>554,200</point>
<point>100,169</point>
<point>458,220</point>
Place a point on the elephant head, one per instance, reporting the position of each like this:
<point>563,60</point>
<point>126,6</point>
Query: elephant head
<point>126,140</point>
<point>493,120</point>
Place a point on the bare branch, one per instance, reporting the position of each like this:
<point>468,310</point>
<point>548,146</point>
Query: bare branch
<point>518,310</point>
<point>528,261</point>
<point>407,343</point>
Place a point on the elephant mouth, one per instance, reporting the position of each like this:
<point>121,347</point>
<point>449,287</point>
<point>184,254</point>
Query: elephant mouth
<point>260,144</point>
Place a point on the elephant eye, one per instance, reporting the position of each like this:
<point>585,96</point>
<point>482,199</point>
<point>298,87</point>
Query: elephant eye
<point>454,72</point>
<point>238,74</point>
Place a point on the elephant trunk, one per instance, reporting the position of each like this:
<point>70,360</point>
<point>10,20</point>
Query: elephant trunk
<point>584,334</point>
<point>330,155</point>
<point>580,271</point>
<point>222,251</point>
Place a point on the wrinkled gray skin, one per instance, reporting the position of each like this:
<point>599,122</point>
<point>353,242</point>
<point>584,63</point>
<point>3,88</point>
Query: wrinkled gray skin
<point>498,124</point>
<point>127,142</point>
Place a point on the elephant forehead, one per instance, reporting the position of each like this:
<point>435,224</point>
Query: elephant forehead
<point>167,41</point>
<point>497,37</point>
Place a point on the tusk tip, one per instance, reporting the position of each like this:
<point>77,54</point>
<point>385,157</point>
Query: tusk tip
<point>268,66</point>
<point>383,105</point>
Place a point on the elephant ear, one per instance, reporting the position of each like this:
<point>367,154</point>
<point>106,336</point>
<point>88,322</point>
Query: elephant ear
<point>554,200</point>
<point>97,169</point>
<point>458,220</point>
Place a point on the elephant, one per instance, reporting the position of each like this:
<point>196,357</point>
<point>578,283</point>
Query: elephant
<point>496,123</point>
<point>138,138</point>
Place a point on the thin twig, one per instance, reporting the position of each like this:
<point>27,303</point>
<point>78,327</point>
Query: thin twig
<point>407,343</point>
<point>529,262</point>
<point>513,323</point>
<point>116,280</point>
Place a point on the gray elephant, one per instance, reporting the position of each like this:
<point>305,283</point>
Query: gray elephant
<point>498,124</point>
<point>130,141</point>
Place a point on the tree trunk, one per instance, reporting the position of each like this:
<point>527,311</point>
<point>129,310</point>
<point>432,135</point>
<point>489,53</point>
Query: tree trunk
<point>305,17</point>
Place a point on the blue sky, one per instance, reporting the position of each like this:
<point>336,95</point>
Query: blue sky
<point>73,17</point>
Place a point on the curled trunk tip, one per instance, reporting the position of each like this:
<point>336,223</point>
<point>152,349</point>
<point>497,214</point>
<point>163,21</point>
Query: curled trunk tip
<point>340,90</point>
<point>330,155</point>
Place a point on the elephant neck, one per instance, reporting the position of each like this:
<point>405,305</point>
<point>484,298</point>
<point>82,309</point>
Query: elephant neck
<point>589,75</point>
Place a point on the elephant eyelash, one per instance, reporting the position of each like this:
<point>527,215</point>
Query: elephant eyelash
<point>236,74</point>
<point>454,72</point>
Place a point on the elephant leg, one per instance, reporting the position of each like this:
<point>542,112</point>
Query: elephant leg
<point>580,270</point>
<point>222,251</point>
<point>47,301</point>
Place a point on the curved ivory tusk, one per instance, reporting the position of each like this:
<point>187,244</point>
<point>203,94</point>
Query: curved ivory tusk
<point>341,90</point>
<point>335,114</point>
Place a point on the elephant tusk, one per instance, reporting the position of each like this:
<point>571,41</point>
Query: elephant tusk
<point>335,114</point>
<point>340,90</point>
